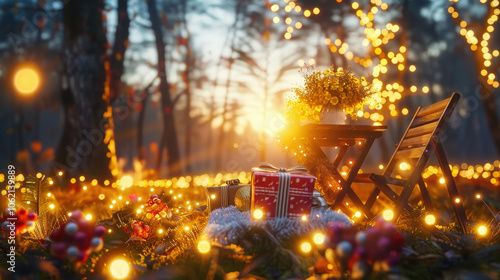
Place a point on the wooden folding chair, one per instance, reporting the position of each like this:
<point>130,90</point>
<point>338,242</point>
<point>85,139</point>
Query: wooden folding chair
<point>415,148</point>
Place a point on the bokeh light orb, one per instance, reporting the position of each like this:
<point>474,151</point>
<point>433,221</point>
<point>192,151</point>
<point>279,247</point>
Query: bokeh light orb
<point>204,246</point>
<point>306,247</point>
<point>388,215</point>
<point>126,181</point>
<point>26,80</point>
<point>258,214</point>
<point>430,219</point>
<point>119,269</point>
<point>319,238</point>
<point>482,230</point>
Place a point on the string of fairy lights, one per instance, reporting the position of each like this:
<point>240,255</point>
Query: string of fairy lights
<point>480,46</point>
<point>377,40</point>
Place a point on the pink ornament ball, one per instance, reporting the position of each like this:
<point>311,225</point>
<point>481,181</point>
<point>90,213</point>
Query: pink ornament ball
<point>99,231</point>
<point>361,253</point>
<point>76,215</point>
<point>32,216</point>
<point>388,229</point>
<point>384,247</point>
<point>153,196</point>
<point>58,249</point>
<point>335,232</point>
<point>57,235</point>
<point>372,235</point>
<point>80,238</point>
<point>86,226</point>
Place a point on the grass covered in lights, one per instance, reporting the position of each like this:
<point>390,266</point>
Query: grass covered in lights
<point>173,240</point>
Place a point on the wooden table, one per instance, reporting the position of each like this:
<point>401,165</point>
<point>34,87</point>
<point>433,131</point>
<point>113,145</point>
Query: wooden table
<point>342,137</point>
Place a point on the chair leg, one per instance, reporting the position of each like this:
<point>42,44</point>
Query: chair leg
<point>452,188</point>
<point>372,198</point>
<point>425,195</point>
<point>403,199</point>
<point>382,186</point>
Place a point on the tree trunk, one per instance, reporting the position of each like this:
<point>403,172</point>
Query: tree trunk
<point>119,47</point>
<point>115,72</point>
<point>187,80</point>
<point>220,143</point>
<point>169,135</point>
<point>81,149</point>
<point>141,149</point>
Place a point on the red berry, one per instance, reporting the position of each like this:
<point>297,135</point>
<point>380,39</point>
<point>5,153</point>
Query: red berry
<point>22,212</point>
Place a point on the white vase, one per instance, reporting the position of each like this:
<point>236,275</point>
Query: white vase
<point>333,117</point>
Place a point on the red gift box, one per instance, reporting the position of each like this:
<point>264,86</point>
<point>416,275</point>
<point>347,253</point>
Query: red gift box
<point>279,192</point>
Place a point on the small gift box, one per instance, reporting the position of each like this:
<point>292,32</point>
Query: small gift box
<point>223,196</point>
<point>281,192</point>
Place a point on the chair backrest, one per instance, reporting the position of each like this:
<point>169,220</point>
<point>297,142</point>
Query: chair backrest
<point>426,126</point>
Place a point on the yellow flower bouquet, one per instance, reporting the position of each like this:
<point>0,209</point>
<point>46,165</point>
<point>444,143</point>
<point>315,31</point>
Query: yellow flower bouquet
<point>325,91</point>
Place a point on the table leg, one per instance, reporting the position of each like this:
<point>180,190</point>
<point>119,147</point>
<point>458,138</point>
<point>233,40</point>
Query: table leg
<point>340,156</point>
<point>346,184</point>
